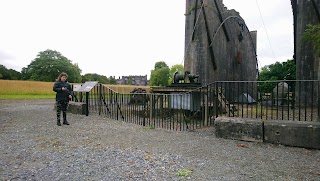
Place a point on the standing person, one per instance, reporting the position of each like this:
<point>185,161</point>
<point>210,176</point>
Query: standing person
<point>63,94</point>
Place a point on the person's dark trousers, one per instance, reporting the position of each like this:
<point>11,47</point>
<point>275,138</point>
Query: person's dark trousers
<point>62,106</point>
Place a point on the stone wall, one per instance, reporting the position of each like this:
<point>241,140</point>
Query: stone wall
<point>233,45</point>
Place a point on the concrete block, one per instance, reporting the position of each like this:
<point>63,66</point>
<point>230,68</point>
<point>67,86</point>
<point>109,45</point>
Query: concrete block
<point>239,129</point>
<point>293,133</point>
<point>77,108</point>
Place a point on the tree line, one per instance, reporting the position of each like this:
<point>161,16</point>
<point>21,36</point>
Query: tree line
<point>48,65</point>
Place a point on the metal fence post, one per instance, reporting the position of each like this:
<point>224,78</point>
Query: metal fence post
<point>100,99</point>
<point>151,107</point>
<point>117,106</point>
<point>318,94</point>
<point>206,107</point>
<point>87,103</point>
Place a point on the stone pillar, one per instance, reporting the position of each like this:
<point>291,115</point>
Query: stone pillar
<point>307,61</point>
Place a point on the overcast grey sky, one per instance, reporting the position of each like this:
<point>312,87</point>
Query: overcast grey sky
<point>126,37</point>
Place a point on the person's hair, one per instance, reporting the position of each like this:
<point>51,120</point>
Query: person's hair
<point>61,74</point>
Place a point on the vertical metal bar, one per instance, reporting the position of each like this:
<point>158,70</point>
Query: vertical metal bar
<point>252,90</point>
<point>122,107</point>
<point>239,102</point>
<point>125,106</point>
<point>87,103</point>
<point>161,107</point>
<point>210,93</point>
<point>277,99</point>
<point>181,113</point>
<point>100,98</point>
<point>96,98</point>
<point>144,110</point>
<point>257,96</point>
<point>260,98</point>
<point>264,94</point>
<point>111,103</point>
<point>294,99</point>
<point>116,102</point>
<point>312,96</point>
<point>132,110</point>
<point>288,101</point>
<point>154,112</point>
<point>247,98</point>
<point>272,102</point>
<point>230,94</point>
<point>318,95</point>
<point>151,109</point>
<point>148,109</point>
<point>305,100</point>
<point>282,100</point>
<point>183,116</point>
<point>299,101</point>
<point>206,110</point>
<point>216,99</point>
<point>135,107</point>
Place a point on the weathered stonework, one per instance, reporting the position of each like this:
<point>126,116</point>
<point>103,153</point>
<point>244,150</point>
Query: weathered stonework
<point>232,55</point>
<point>304,13</point>
<point>307,61</point>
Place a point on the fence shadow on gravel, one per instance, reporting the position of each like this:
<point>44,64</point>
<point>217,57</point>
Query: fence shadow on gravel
<point>263,100</point>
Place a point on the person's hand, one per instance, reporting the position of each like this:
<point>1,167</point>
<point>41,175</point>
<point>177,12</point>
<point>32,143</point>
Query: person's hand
<point>70,97</point>
<point>64,88</point>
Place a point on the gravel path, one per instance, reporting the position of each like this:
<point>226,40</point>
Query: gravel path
<point>97,148</point>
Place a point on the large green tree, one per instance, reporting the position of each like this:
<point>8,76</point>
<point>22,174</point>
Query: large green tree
<point>9,74</point>
<point>14,75</point>
<point>160,74</point>
<point>48,65</point>
<point>4,73</point>
<point>277,71</point>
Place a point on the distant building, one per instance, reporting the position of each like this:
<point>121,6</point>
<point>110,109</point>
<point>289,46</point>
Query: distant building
<point>133,80</point>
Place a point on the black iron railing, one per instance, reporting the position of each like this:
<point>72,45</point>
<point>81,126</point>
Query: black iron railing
<point>265,100</point>
<point>270,100</point>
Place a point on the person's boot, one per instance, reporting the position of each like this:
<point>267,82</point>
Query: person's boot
<point>65,122</point>
<point>58,122</point>
<point>65,119</point>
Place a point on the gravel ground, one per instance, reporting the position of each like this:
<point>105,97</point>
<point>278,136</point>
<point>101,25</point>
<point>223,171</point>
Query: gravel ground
<point>98,148</point>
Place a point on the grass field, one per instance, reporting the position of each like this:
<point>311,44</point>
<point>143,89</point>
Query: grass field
<point>17,89</point>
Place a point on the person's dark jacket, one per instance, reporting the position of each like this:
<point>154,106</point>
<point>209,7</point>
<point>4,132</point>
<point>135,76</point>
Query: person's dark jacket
<point>62,95</point>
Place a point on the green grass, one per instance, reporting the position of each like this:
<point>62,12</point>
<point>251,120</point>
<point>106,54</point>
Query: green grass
<point>26,96</point>
<point>183,173</point>
<point>18,89</point>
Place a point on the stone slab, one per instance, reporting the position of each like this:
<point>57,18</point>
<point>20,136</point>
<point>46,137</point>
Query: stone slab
<point>77,108</point>
<point>293,133</point>
<point>239,129</point>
